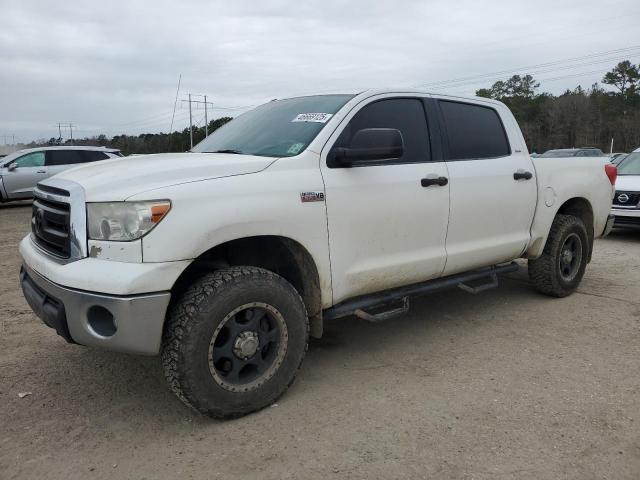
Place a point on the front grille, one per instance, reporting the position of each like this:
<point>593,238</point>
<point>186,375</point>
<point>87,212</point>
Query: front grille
<point>629,199</point>
<point>50,224</point>
<point>54,190</point>
<point>627,221</point>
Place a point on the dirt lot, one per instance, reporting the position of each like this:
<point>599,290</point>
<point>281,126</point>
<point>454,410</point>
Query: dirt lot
<point>506,384</point>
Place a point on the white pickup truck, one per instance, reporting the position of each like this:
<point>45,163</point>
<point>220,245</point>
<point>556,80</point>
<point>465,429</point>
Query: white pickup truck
<point>225,259</point>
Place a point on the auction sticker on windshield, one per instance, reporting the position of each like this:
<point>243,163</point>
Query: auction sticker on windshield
<point>313,117</point>
<point>295,148</point>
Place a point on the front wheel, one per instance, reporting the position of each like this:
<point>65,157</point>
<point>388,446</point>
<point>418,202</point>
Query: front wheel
<point>234,342</point>
<point>560,269</point>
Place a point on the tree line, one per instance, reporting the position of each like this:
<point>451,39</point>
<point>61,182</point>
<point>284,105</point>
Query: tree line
<point>178,141</point>
<point>576,118</point>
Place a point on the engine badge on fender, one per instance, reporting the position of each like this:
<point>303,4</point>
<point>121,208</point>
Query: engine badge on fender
<point>312,197</point>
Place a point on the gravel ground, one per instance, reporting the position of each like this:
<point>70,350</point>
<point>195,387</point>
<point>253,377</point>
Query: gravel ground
<point>505,384</point>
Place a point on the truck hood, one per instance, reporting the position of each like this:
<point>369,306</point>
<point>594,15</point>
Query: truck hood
<point>628,183</point>
<point>118,179</point>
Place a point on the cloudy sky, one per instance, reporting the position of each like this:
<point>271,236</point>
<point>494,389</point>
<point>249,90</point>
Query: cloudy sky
<point>112,67</point>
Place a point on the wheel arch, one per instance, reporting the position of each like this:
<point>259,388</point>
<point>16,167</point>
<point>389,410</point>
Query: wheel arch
<point>281,255</point>
<point>579,207</point>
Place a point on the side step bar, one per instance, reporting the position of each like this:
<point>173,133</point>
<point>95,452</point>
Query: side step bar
<point>357,306</point>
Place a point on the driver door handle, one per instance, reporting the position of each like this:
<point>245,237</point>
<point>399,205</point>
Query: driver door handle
<point>41,171</point>
<point>522,175</point>
<point>429,181</point>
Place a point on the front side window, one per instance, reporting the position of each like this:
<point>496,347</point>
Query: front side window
<point>35,159</point>
<point>404,114</point>
<point>473,131</point>
<point>630,165</point>
<point>281,128</point>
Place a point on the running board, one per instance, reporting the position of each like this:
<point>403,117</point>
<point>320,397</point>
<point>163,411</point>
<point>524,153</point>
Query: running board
<point>358,306</point>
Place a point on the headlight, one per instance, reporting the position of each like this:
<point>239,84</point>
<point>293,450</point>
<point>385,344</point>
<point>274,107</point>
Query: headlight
<point>124,221</point>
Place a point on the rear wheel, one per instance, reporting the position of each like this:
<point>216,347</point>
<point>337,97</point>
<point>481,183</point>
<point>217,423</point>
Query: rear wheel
<point>235,341</point>
<point>560,269</point>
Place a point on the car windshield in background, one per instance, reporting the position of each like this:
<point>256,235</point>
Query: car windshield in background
<point>281,128</point>
<point>630,165</point>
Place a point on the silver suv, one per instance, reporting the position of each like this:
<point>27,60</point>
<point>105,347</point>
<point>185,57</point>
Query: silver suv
<point>22,170</point>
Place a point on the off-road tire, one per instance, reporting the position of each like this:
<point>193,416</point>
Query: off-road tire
<point>192,322</point>
<point>544,272</point>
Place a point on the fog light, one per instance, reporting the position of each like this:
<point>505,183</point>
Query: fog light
<point>101,321</point>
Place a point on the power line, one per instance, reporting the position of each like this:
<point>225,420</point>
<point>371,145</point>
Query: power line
<point>541,79</point>
<point>626,50</point>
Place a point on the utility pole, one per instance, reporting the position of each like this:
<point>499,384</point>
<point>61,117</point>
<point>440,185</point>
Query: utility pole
<point>70,125</point>
<point>206,118</point>
<point>173,116</point>
<point>206,121</point>
<point>190,124</point>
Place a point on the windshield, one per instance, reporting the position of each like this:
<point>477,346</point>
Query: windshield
<point>630,165</point>
<point>558,153</point>
<point>280,128</point>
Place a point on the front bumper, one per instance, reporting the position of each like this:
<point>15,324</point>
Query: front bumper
<point>130,323</point>
<point>626,218</point>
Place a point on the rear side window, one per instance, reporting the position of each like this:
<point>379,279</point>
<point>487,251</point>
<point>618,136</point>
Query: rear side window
<point>404,114</point>
<point>94,156</point>
<point>593,153</point>
<point>473,131</point>
<point>74,157</point>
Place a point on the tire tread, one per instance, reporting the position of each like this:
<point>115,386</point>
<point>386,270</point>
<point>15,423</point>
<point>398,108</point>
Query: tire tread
<point>181,318</point>
<point>542,270</point>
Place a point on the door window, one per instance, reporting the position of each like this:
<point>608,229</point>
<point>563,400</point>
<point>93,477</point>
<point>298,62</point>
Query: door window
<point>94,155</point>
<point>404,114</point>
<point>473,131</point>
<point>35,159</point>
<point>65,157</point>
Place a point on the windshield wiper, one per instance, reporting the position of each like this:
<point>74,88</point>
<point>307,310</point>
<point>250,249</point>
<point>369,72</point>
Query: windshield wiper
<point>228,150</point>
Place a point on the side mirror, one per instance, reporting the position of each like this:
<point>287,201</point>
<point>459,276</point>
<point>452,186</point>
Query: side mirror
<point>369,145</point>
<point>12,166</point>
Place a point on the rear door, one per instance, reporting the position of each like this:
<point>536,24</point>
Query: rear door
<point>61,160</point>
<point>29,170</point>
<point>385,228</point>
<point>493,190</point>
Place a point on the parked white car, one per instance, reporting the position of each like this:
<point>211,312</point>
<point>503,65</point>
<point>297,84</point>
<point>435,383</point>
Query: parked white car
<point>22,170</point>
<point>626,201</point>
<point>225,259</point>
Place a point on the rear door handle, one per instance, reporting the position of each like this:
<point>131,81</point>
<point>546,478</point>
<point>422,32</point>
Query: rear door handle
<point>429,181</point>
<point>522,175</point>
<point>41,171</point>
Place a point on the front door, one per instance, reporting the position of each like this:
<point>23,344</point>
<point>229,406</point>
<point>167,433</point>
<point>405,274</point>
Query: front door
<point>23,174</point>
<point>385,228</point>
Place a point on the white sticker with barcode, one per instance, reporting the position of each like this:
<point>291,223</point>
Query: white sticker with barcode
<point>313,117</point>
